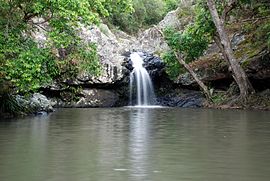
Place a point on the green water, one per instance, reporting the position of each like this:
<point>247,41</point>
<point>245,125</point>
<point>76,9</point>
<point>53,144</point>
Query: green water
<point>133,144</point>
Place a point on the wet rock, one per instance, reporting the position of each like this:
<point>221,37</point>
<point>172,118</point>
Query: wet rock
<point>190,99</point>
<point>41,113</point>
<point>111,75</point>
<point>110,49</point>
<point>153,64</point>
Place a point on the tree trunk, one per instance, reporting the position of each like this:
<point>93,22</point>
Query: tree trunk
<point>193,74</point>
<point>238,72</point>
<point>219,44</point>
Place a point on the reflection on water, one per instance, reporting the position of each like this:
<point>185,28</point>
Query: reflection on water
<point>139,143</point>
<point>134,144</point>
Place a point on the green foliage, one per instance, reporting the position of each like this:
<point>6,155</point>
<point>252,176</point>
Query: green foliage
<point>89,59</point>
<point>171,5</point>
<point>70,94</point>
<point>187,43</point>
<point>17,13</point>
<point>263,31</point>
<point>27,66</point>
<point>203,24</point>
<point>118,6</point>
<point>154,11</point>
<point>173,68</point>
<point>85,59</point>
<point>218,97</point>
<point>261,23</point>
<point>145,13</point>
<point>62,35</point>
<point>9,104</point>
<point>191,42</point>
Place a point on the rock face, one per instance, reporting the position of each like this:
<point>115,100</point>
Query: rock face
<point>91,98</point>
<point>152,40</point>
<point>37,103</point>
<point>211,74</point>
<point>258,70</point>
<point>110,50</point>
<point>191,100</point>
<point>175,97</point>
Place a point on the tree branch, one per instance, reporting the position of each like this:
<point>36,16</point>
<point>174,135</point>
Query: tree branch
<point>180,58</point>
<point>48,18</point>
<point>28,16</point>
<point>228,8</point>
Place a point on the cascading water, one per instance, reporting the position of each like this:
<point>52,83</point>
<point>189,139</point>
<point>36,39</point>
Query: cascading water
<point>140,83</point>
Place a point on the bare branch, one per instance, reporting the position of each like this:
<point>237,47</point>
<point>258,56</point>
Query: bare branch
<point>180,58</point>
<point>228,8</point>
<point>48,18</point>
<point>38,25</point>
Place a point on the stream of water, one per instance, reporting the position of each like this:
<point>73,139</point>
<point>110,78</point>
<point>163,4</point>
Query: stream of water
<point>134,144</point>
<point>140,81</point>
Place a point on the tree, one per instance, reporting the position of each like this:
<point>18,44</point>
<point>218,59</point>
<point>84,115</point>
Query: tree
<point>186,47</point>
<point>205,89</point>
<point>145,13</point>
<point>239,74</point>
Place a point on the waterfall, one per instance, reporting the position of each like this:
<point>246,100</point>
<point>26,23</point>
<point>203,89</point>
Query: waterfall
<point>140,83</point>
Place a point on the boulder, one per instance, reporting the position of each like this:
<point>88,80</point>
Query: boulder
<point>37,103</point>
<point>40,102</point>
<point>187,99</point>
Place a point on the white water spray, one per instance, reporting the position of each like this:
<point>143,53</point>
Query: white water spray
<point>141,82</point>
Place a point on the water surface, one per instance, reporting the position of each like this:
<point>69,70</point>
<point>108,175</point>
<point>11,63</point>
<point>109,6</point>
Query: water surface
<point>137,144</point>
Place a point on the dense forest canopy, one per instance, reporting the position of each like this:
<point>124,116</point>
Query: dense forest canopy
<point>144,14</point>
